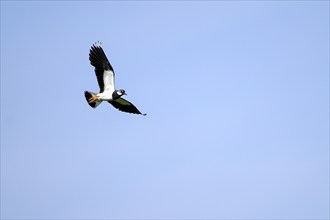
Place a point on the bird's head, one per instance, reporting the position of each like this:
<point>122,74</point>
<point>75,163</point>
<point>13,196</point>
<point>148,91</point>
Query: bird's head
<point>118,93</point>
<point>121,92</point>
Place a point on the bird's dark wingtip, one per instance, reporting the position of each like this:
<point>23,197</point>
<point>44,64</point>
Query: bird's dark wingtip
<point>145,114</point>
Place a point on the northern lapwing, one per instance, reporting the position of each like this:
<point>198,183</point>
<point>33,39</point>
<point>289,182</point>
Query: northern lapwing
<point>106,79</point>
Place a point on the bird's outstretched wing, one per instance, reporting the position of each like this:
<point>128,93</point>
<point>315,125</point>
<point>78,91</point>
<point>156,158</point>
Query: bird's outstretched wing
<point>125,106</point>
<point>103,69</point>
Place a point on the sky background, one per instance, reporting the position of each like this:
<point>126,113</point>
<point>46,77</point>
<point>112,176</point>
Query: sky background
<point>237,96</point>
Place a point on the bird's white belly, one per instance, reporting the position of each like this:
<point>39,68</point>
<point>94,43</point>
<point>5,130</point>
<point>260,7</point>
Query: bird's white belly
<point>106,95</point>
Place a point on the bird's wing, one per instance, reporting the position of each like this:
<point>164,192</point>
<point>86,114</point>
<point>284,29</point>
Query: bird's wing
<point>103,69</point>
<point>125,106</point>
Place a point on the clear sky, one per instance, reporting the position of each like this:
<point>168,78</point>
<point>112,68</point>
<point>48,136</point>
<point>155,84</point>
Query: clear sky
<point>237,96</point>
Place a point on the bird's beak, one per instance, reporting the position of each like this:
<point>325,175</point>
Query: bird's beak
<point>125,93</point>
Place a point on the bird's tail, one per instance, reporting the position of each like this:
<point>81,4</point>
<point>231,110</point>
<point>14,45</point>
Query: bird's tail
<point>89,95</point>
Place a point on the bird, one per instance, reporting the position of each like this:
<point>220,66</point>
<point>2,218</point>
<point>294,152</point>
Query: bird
<point>106,79</point>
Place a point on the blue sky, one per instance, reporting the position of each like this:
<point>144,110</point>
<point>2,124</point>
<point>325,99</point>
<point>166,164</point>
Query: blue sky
<point>237,96</point>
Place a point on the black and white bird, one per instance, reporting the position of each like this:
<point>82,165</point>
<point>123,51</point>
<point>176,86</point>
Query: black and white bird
<point>106,79</point>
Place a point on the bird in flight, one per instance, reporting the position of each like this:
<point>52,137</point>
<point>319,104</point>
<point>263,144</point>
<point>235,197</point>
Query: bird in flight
<point>106,79</point>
